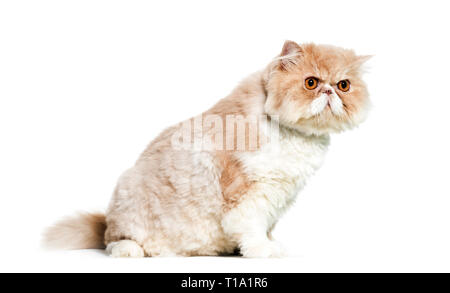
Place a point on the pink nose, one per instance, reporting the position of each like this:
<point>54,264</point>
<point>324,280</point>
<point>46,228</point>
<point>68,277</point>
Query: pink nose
<point>327,91</point>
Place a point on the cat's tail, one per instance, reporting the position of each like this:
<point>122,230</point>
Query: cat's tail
<point>85,230</point>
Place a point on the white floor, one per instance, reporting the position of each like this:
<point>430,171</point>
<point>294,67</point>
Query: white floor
<point>327,261</point>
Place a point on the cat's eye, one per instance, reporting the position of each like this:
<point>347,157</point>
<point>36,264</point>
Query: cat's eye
<point>344,85</point>
<point>311,83</point>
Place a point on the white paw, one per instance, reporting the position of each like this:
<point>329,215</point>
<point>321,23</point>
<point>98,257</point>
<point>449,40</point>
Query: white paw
<point>124,248</point>
<point>264,249</point>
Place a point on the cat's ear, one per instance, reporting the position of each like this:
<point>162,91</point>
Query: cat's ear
<point>290,48</point>
<point>290,54</point>
<point>359,63</point>
<point>360,60</point>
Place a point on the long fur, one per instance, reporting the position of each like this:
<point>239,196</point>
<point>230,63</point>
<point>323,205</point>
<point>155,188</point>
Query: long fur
<point>82,231</point>
<point>192,200</point>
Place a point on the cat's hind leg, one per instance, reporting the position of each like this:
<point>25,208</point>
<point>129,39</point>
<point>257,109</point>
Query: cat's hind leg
<point>125,248</point>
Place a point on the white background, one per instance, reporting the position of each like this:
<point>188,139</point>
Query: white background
<point>85,85</point>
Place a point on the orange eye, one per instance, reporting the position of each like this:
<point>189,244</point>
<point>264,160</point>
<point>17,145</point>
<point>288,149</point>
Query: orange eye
<point>311,83</point>
<point>344,85</point>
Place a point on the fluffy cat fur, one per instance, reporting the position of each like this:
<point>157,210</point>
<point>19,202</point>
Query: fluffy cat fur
<point>197,201</point>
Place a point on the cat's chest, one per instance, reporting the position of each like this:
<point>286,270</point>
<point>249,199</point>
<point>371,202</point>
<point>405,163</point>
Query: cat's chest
<point>287,164</point>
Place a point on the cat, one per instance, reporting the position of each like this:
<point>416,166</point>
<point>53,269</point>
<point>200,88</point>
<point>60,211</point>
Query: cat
<point>218,183</point>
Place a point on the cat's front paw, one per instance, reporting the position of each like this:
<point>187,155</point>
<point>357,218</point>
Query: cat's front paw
<point>124,248</point>
<point>263,250</point>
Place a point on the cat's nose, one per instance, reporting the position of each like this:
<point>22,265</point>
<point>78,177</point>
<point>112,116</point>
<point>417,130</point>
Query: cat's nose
<point>327,91</point>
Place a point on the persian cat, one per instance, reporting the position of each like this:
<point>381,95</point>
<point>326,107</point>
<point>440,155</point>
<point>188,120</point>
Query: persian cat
<point>217,183</point>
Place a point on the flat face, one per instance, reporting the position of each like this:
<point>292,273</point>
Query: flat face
<point>318,89</point>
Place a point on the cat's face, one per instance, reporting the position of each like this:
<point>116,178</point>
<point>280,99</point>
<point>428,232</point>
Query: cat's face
<point>317,89</point>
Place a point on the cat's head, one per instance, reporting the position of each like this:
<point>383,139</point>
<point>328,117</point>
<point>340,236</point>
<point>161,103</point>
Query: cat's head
<point>316,89</point>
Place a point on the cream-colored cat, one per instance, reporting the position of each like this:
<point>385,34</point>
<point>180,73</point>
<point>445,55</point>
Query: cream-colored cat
<point>220,181</point>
